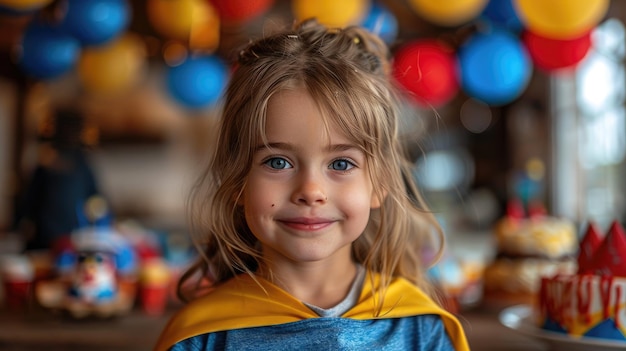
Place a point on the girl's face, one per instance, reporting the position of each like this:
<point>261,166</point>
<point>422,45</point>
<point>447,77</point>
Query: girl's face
<point>308,195</point>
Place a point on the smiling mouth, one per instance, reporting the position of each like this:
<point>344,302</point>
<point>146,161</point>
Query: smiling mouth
<point>306,224</point>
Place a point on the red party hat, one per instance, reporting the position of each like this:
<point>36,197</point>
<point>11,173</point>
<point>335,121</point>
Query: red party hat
<point>588,246</point>
<point>610,257</point>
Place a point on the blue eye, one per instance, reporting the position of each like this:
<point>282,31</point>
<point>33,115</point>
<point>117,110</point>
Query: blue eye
<point>278,163</point>
<point>341,165</point>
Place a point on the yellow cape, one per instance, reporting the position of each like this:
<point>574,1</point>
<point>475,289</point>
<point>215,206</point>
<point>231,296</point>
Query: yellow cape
<point>243,303</point>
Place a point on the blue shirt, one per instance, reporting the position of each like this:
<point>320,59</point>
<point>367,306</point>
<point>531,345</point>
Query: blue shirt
<point>423,332</point>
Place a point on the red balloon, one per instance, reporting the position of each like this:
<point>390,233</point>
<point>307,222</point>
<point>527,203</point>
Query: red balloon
<point>428,70</point>
<point>237,11</point>
<point>554,54</point>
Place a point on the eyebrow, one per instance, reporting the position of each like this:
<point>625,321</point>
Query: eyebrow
<point>289,147</point>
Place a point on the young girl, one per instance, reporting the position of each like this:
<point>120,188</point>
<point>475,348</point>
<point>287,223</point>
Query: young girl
<point>310,224</point>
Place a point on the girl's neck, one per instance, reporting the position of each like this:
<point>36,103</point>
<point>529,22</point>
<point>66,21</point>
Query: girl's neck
<point>314,283</point>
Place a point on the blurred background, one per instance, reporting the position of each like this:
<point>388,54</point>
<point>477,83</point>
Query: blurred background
<point>506,111</point>
<point>108,109</point>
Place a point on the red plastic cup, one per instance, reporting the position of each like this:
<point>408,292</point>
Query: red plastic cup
<point>17,294</point>
<point>17,277</point>
<point>154,299</point>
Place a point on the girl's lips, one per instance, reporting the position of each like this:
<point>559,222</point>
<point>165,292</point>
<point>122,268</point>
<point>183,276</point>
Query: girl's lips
<point>308,224</point>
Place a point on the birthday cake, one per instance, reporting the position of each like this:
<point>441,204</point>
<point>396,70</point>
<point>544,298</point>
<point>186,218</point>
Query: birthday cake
<point>527,249</point>
<point>591,303</point>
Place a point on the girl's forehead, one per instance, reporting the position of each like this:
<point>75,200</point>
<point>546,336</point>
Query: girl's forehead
<point>298,99</point>
<point>335,111</point>
<point>291,97</point>
<point>299,123</point>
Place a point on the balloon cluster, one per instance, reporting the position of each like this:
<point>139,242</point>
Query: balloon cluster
<point>492,62</point>
<point>495,62</point>
<point>195,77</point>
<point>53,46</point>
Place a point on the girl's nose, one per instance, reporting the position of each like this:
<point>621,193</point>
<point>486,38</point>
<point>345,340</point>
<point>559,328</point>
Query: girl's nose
<point>310,191</point>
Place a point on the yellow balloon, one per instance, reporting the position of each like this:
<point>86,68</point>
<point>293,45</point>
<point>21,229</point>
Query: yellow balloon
<point>449,12</point>
<point>113,67</point>
<point>561,19</point>
<point>195,22</point>
<point>24,5</point>
<point>332,13</point>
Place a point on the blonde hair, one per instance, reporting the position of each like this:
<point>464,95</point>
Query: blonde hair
<point>347,73</point>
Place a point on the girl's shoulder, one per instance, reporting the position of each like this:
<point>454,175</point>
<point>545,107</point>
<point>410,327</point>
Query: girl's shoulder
<point>247,303</point>
<point>241,302</point>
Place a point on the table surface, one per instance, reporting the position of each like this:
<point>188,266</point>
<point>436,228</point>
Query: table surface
<point>37,330</point>
<point>485,333</point>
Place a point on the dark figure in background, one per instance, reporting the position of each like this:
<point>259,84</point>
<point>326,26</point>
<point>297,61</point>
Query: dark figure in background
<point>59,186</point>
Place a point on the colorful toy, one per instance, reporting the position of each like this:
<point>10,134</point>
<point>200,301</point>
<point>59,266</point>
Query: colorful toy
<point>96,268</point>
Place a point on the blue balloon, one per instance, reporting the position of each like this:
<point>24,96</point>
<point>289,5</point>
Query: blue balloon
<point>495,67</point>
<point>198,82</point>
<point>47,52</point>
<point>95,22</point>
<point>502,12</point>
<point>381,22</point>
